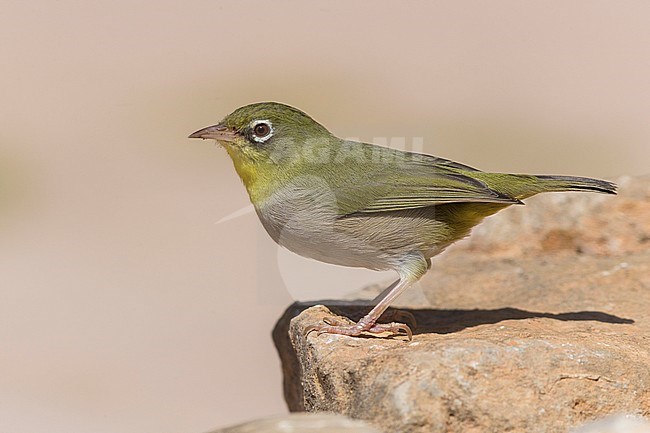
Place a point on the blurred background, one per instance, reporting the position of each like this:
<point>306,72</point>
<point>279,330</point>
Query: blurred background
<point>127,303</point>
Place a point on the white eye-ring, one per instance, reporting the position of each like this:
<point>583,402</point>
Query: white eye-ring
<point>262,130</point>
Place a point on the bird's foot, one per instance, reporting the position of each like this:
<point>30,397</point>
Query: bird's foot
<point>335,326</point>
<point>400,316</point>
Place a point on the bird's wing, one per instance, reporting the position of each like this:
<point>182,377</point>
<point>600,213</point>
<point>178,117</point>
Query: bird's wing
<point>410,185</point>
<point>437,162</point>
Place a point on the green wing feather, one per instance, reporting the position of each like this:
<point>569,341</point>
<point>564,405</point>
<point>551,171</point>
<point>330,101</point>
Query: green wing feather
<point>411,181</point>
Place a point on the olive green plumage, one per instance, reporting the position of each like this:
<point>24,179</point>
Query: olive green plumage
<point>357,204</point>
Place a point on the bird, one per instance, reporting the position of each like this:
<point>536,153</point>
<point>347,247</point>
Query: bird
<point>362,205</point>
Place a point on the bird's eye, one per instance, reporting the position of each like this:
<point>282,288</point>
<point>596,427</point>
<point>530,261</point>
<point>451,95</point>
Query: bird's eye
<point>262,130</point>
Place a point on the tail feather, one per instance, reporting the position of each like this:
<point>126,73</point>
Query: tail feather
<point>574,183</point>
<point>521,186</point>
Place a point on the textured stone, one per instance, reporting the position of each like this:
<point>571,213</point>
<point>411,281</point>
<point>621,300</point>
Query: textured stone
<point>538,323</point>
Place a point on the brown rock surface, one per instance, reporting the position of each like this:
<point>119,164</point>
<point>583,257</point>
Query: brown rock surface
<point>537,323</point>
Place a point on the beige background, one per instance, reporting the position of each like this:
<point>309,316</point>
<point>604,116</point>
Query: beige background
<point>123,306</point>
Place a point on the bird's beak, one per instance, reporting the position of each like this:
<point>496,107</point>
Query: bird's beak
<point>216,132</point>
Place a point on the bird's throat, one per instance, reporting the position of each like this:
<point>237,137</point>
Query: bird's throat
<point>253,173</point>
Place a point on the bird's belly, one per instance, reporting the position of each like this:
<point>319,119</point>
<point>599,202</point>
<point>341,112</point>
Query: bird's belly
<point>305,219</point>
<point>310,225</point>
<point>314,233</point>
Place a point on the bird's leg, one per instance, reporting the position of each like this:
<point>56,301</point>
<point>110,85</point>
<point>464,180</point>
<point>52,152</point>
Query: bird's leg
<point>395,315</point>
<point>377,299</point>
<point>410,272</point>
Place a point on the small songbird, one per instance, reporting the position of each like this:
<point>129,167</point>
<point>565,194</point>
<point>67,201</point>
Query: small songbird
<point>361,205</point>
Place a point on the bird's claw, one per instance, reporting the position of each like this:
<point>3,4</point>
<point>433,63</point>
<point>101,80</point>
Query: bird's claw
<point>400,316</point>
<point>335,326</point>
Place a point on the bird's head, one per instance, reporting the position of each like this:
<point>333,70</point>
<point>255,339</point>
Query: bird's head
<point>265,132</point>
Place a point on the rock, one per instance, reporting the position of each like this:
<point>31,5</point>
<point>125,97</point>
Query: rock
<point>538,324</point>
<point>302,423</point>
<point>293,391</point>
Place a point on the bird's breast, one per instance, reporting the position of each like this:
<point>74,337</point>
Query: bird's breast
<point>303,217</point>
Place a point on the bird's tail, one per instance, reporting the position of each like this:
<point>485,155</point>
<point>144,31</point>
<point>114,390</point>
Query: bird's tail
<point>521,186</point>
<point>574,183</point>
<point>549,183</point>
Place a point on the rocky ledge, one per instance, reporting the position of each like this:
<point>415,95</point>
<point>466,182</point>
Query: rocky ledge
<point>538,322</point>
